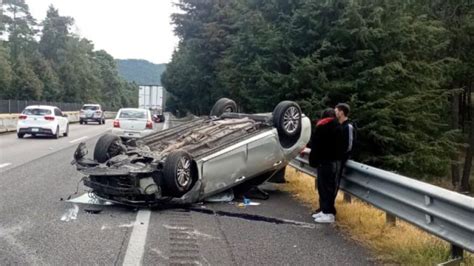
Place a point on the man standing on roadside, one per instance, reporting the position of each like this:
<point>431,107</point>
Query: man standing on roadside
<point>325,156</point>
<point>348,136</point>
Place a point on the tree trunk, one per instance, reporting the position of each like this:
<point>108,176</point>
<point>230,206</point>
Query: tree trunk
<point>465,186</point>
<point>455,169</point>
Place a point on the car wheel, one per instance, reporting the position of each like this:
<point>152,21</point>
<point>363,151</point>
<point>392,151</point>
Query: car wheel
<point>287,119</point>
<point>34,135</point>
<point>81,122</point>
<point>56,135</point>
<point>107,146</point>
<point>67,131</point>
<point>179,173</point>
<point>103,121</point>
<point>223,105</point>
<point>85,122</point>
<point>20,135</point>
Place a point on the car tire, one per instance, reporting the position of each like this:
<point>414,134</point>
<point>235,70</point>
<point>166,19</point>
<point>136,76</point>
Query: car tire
<point>81,122</point>
<point>56,136</point>
<point>20,135</point>
<point>287,119</point>
<point>179,173</point>
<point>223,105</point>
<point>65,134</point>
<point>107,146</point>
<point>85,122</point>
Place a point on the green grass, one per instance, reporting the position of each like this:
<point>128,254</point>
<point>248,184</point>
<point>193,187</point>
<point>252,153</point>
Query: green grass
<point>402,244</point>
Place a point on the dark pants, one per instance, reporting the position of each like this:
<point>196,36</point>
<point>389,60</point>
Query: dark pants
<point>340,172</point>
<point>327,185</point>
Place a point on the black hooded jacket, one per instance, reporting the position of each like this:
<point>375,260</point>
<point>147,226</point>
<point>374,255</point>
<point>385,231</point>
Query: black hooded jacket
<point>326,142</point>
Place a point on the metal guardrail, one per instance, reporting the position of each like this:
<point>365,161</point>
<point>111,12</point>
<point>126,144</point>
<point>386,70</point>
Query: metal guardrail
<point>17,106</point>
<point>440,212</point>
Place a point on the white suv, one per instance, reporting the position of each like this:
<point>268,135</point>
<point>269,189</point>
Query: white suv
<point>91,112</point>
<point>42,120</point>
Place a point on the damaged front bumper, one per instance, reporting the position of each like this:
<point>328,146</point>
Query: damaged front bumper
<point>129,179</point>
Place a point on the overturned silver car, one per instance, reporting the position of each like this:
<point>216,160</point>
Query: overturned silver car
<point>196,159</point>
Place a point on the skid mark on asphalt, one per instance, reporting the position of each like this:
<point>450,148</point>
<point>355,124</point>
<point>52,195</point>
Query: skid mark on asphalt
<point>8,235</point>
<point>254,217</point>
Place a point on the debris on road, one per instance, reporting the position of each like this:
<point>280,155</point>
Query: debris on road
<point>226,196</point>
<point>70,214</point>
<point>91,199</point>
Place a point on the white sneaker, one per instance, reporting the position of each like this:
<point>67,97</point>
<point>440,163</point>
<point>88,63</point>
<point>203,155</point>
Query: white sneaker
<point>325,218</point>
<point>316,215</point>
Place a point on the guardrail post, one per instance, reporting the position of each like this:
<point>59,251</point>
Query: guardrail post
<point>390,219</point>
<point>456,252</point>
<point>457,255</point>
<point>347,198</point>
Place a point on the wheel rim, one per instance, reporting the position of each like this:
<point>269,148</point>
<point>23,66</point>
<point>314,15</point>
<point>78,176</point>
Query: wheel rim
<point>291,119</point>
<point>183,172</point>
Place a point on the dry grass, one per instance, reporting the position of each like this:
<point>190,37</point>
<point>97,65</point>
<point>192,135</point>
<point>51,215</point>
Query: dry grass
<point>401,244</point>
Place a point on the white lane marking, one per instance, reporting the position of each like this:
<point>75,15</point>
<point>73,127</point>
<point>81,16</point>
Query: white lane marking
<point>4,165</point>
<point>136,244</point>
<point>76,140</point>
<point>71,214</point>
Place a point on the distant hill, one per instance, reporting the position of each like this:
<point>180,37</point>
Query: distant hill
<point>140,71</point>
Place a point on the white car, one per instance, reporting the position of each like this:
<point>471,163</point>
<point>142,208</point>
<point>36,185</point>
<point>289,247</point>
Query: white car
<point>133,123</point>
<point>42,120</point>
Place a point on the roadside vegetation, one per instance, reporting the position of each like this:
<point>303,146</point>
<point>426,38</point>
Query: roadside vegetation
<point>405,67</point>
<point>401,244</point>
<point>46,61</point>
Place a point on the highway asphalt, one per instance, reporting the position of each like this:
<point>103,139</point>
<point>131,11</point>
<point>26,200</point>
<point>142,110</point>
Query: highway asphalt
<point>37,225</point>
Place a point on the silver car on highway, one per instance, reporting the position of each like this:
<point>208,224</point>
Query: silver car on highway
<point>196,159</point>
<point>133,123</point>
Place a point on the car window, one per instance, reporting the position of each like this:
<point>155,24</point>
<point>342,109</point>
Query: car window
<point>90,107</point>
<point>137,114</point>
<point>58,112</point>
<point>36,111</point>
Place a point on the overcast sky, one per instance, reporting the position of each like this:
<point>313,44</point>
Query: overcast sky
<point>139,29</point>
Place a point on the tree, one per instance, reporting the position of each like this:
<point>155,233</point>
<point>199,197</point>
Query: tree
<point>389,59</point>
<point>6,73</point>
<point>20,28</point>
<point>55,34</point>
<point>27,85</point>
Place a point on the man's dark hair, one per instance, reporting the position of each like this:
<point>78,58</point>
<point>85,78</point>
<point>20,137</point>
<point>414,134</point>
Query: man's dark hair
<point>344,107</point>
<point>328,112</point>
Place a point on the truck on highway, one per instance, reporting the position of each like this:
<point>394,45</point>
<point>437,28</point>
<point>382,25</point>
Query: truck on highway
<point>152,97</point>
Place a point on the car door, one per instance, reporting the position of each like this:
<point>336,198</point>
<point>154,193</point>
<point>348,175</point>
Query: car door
<point>224,169</point>
<point>264,154</point>
<point>61,120</point>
